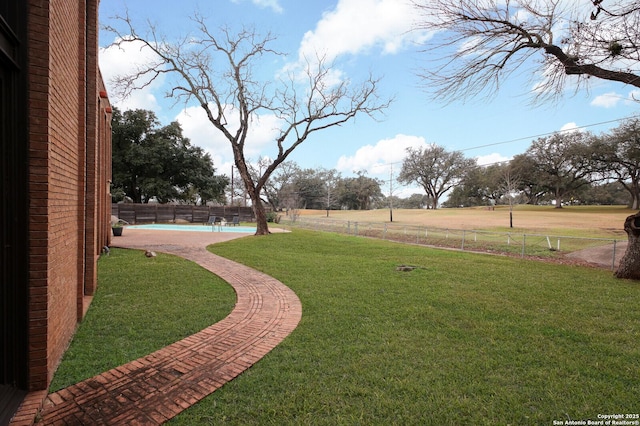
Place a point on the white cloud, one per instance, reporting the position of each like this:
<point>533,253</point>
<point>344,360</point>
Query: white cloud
<point>356,26</point>
<point>201,132</point>
<point>570,127</point>
<point>265,4</point>
<point>262,133</point>
<point>377,159</point>
<point>607,100</point>
<point>273,4</point>
<point>485,160</point>
<point>124,60</point>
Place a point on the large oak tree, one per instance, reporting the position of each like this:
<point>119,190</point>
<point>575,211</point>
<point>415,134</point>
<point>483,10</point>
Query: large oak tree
<point>618,156</point>
<point>563,163</point>
<point>151,161</point>
<point>435,169</point>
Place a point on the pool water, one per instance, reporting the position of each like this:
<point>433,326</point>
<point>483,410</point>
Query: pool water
<point>194,228</point>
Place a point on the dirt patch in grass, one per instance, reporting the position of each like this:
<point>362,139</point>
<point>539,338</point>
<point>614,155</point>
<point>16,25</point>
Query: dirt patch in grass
<point>602,255</point>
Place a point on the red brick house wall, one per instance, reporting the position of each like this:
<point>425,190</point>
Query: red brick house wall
<point>68,176</point>
<point>67,189</point>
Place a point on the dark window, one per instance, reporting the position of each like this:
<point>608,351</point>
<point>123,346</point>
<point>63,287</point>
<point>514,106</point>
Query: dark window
<point>13,208</point>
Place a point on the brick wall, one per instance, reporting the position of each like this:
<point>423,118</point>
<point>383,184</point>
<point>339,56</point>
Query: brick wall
<point>69,168</point>
<point>38,42</point>
<point>65,176</point>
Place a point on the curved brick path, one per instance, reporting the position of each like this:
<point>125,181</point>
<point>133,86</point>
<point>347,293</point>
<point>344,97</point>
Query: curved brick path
<point>155,388</point>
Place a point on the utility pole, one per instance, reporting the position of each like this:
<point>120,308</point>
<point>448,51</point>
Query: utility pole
<point>391,195</point>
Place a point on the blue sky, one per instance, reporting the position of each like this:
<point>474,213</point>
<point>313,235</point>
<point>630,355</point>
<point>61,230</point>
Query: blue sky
<point>362,36</point>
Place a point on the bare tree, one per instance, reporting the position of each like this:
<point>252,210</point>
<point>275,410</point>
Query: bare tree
<point>477,44</point>
<point>215,70</point>
<point>509,185</point>
<point>331,179</point>
<point>480,43</point>
<point>275,190</point>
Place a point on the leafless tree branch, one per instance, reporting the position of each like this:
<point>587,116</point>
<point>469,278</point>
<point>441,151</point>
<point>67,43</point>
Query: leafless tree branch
<point>478,44</point>
<point>216,71</point>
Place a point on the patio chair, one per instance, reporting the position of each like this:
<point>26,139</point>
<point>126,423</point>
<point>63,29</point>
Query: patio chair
<point>215,221</point>
<point>236,220</point>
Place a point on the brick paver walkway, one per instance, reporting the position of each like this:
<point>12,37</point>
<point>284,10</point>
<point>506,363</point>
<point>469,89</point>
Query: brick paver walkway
<point>155,388</point>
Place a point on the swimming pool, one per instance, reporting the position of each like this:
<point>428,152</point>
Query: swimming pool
<point>194,228</point>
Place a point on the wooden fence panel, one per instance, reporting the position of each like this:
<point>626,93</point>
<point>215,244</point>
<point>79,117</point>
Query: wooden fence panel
<point>146,213</point>
<point>184,213</point>
<point>165,214</point>
<point>200,214</point>
<point>169,213</point>
<point>127,212</point>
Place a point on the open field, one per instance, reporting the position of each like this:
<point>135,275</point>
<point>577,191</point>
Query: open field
<point>584,221</point>
<point>462,339</point>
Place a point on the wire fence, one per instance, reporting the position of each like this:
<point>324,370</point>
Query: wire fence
<point>601,251</point>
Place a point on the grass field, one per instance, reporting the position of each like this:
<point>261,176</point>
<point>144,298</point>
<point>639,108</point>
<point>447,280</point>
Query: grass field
<point>584,221</point>
<point>462,339</point>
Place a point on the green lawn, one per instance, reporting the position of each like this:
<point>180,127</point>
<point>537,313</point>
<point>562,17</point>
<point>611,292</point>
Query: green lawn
<point>463,339</point>
<point>141,305</point>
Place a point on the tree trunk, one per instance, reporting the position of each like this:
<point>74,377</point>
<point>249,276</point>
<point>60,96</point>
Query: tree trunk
<point>434,203</point>
<point>558,200</point>
<point>262,227</point>
<point>630,262</point>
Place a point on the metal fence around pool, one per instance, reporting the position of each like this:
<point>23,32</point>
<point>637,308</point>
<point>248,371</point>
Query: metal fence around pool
<point>538,245</point>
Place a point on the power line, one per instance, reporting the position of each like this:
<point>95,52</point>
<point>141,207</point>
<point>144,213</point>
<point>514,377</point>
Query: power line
<point>517,140</point>
<point>547,134</point>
